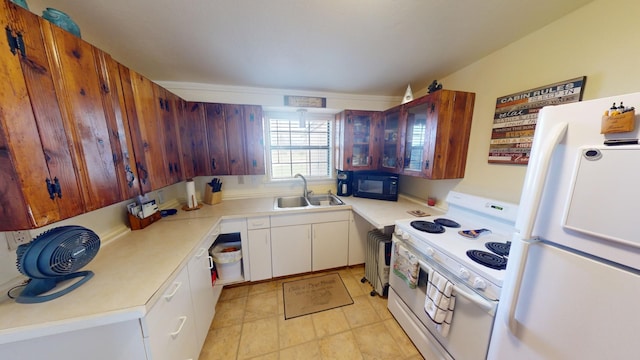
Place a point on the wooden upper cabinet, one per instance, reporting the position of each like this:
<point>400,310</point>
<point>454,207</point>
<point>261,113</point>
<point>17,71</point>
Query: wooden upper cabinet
<point>85,97</point>
<point>391,139</point>
<point>235,138</point>
<point>254,135</point>
<point>245,139</point>
<point>169,108</point>
<point>358,139</point>
<point>436,136</point>
<point>193,140</point>
<point>118,123</point>
<point>146,130</point>
<point>216,130</point>
<point>38,182</point>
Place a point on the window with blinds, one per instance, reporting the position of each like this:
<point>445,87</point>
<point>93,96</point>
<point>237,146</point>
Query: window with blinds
<point>299,145</point>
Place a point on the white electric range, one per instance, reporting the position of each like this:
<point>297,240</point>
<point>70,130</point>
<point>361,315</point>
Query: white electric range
<point>438,245</point>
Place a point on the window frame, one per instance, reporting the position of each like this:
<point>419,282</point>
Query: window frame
<point>294,116</point>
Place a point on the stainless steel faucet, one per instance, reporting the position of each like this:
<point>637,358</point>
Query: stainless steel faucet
<point>304,194</point>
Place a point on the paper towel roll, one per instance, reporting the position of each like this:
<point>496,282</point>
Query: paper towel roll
<point>191,194</point>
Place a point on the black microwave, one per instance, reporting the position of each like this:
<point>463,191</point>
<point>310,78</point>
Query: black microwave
<point>375,185</point>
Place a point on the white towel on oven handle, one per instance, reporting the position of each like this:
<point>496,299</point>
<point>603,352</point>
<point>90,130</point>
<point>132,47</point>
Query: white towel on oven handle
<point>440,301</point>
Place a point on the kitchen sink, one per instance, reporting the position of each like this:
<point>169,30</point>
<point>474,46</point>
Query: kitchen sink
<point>288,202</point>
<point>291,202</point>
<point>324,199</point>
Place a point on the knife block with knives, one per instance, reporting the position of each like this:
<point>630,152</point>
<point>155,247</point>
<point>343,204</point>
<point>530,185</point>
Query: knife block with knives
<point>213,192</point>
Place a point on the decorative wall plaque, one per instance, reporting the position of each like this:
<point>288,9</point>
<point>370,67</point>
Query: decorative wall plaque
<point>305,101</point>
<point>516,115</point>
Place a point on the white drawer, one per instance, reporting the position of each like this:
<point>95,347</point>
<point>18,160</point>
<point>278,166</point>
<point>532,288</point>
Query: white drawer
<point>309,218</point>
<point>261,222</point>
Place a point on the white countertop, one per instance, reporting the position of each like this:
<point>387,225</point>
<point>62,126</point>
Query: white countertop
<point>130,271</point>
<point>380,213</point>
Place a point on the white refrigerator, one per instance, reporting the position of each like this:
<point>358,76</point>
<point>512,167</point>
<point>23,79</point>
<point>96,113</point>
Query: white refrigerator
<point>572,284</point>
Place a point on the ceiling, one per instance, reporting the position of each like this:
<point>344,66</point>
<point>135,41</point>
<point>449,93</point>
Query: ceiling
<point>367,47</point>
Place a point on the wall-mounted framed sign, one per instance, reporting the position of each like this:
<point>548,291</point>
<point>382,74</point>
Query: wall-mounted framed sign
<point>516,115</point>
<point>305,101</point>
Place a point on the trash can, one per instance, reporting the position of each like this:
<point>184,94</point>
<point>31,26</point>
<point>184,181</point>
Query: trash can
<point>227,257</point>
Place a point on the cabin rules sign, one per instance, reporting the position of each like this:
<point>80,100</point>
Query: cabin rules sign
<point>516,115</point>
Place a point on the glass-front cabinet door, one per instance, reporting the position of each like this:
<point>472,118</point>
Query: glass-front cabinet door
<point>421,124</point>
<point>359,140</point>
<point>391,140</point>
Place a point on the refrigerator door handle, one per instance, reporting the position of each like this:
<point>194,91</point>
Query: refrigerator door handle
<point>534,185</point>
<point>512,323</point>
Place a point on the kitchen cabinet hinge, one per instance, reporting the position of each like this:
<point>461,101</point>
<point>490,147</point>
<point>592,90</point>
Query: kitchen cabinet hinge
<point>53,188</point>
<point>16,43</point>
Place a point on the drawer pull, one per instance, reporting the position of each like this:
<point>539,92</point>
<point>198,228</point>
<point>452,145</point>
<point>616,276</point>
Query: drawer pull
<point>177,285</point>
<point>200,253</point>
<point>174,334</point>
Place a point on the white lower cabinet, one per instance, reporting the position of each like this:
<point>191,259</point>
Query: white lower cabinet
<point>117,341</point>
<point>202,294</point>
<point>260,250</point>
<point>291,249</point>
<point>170,324</point>
<point>259,237</point>
<point>330,245</point>
<point>307,242</point>
<point>177,325</point>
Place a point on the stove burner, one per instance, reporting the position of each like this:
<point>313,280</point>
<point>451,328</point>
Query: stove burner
<point>499,248</point>
<point>446,222</point>
<point>427,226</point>
<point>487,259</point>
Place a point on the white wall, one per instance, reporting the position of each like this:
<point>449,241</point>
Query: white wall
<point>599,40</point>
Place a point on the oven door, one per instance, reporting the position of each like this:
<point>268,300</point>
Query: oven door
<point>473,314</point>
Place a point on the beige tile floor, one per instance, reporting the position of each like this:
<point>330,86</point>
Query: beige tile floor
<point>250,324</point>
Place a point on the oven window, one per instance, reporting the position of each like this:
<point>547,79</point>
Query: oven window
<point>370,186</point>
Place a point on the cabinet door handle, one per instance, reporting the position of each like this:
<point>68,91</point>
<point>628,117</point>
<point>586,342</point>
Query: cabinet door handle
<point>200,253</point>
<point>177,285</point>
<point>183,319</point>
<point>213,163</point>
<point>210,263</point>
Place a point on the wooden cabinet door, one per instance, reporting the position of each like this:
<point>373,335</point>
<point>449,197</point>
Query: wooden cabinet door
<point>437,134</point>
<point>33,142</point>
<point>254,135</point>
<point>449,155</point>
<point>118,124</point>
<point>78,86</point>
<point>193,140</point>
<point>391,140</point>
<point>359,140</point>
<point>234,122</point>
<point>217,139</point>
<point>146,130</point>
<point>418,140</point>
<point>168,110</point>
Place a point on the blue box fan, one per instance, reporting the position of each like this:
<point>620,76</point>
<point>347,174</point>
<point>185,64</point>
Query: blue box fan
<point>53,257</point>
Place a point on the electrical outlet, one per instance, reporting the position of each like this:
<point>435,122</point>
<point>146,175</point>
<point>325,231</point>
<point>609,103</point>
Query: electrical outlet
<point>17,238</point>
